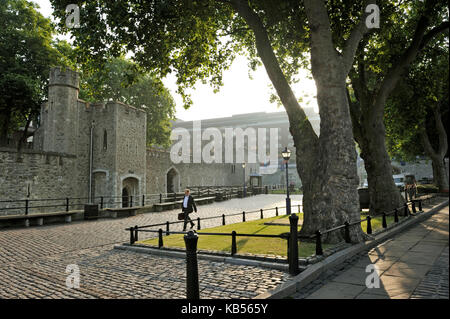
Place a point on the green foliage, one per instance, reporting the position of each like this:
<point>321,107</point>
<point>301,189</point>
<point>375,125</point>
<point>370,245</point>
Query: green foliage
<point>198,40</point>
<point>409,111</point>
<point>122,80</point>
<point>26,55</point>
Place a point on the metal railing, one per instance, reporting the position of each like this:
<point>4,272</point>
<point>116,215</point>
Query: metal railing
<point>346,226</point>
<point>26,206</point>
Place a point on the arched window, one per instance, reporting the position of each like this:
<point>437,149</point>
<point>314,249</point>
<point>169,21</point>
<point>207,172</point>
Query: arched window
<point>105,140</point>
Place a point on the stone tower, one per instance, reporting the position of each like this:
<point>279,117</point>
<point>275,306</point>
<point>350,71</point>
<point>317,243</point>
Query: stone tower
<point>60,115</point>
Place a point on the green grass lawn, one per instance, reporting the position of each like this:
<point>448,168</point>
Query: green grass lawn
<point>254,245</point>
<point>283,191</point>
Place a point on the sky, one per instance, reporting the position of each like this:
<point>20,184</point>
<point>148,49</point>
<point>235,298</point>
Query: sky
<point>238,95</point>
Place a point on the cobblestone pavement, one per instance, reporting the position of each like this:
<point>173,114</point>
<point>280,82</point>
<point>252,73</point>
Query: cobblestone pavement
<point>413,264</point>
<point>33,260</point>
<point>435,283</point>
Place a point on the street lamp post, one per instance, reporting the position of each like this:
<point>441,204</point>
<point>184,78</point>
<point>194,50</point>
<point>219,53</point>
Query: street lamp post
<point>244,191</point>
<point>286,154</point>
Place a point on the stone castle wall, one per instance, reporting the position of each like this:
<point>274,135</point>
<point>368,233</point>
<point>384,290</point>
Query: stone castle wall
<point>58,167</point>
<point>37,175</point>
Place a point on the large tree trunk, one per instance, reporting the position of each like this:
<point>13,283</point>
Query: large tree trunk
<point>335,195</point>
<point>334,188</point>
<point>440,176</point>
<point>384,194</point>
<point>326,165</point>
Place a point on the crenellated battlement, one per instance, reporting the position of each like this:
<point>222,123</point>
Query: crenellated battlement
<point>65,77</point>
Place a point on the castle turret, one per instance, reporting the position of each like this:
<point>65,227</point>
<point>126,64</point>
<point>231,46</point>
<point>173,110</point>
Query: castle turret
<point>59,117</point>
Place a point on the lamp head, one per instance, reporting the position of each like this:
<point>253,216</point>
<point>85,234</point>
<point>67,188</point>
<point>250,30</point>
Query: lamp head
<point>286,154</point>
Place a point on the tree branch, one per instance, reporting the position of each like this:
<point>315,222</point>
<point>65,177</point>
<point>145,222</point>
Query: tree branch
<point>433,32</point>
<point>355,114</point>
<point>271,64</point>
<point>355,37</point>
<point>394,74</point>
<point>426,144</point>
<point>443,142</point>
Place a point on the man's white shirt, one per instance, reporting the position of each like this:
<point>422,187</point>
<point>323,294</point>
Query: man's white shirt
<point>185,201</point>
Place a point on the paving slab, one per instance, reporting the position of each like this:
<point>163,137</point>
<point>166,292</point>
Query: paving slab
<point>354,275</point>
<point>408,270</point>
<point>337,290</point>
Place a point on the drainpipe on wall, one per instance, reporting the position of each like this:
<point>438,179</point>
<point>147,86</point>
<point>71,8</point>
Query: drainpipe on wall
<point>91,161</point>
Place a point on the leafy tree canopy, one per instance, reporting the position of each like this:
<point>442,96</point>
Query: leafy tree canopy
<point>122,80</point>
<point>26,55</point>
<point>410,110</point>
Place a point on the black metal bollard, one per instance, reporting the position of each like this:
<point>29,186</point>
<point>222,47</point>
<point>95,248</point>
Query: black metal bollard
<point>413,204</point>
<point>136,233</point>
<point>347,232</point>
<point>369,225</point>
<point>67,204</point>
<point>131,201</point>
<point>131,236</point>
<point>160,198</point>
<point>276,211</point>
<point>160,238</point>
<point>384,223</point>
<point>233,243</point>
<point>396,215</point>
<point>101,202</point>
<point>192,286</point>
<point>198,223</point>
<point>223,219</point>
<point>420,205</point>
<point>143,200</point>
<point>243,216</point>
<point>319,250</point>
<point>293,245</point>
<point>262,215</point>
<point>406,212</point>
<point>167,228</point>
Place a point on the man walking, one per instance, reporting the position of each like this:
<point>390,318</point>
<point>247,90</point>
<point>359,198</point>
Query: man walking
<point>187,208</point>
